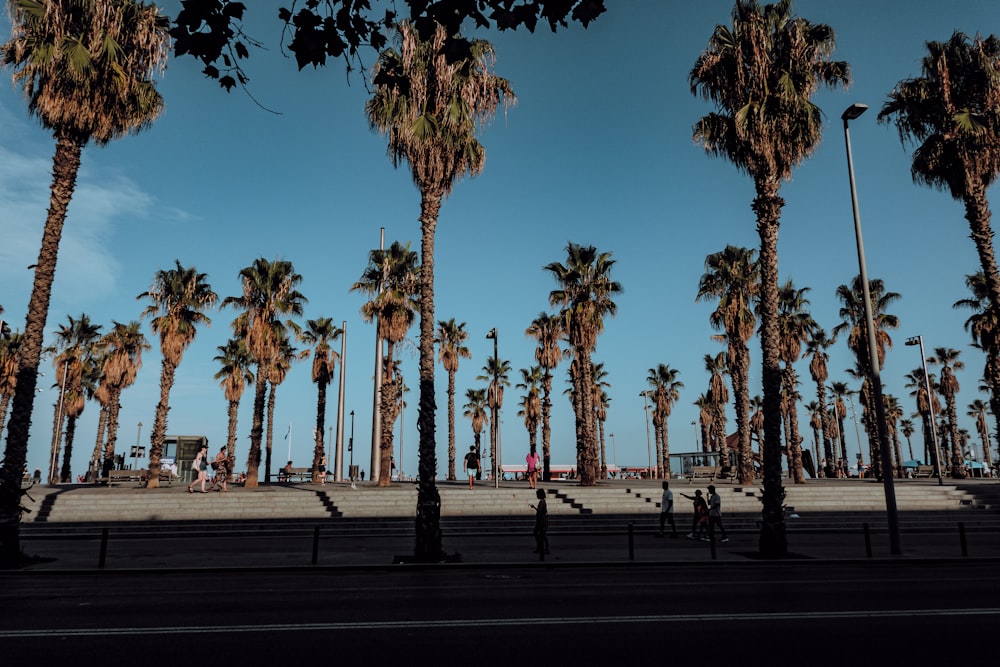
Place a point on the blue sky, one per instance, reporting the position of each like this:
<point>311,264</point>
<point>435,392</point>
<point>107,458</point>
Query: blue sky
<point>597,151</point>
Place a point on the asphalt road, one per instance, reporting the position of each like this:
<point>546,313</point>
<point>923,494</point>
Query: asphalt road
<point>792,612</point>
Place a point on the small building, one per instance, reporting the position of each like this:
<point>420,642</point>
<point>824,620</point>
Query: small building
<point>182,449</point>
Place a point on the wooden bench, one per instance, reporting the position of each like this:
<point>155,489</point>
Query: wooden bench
<point>703,472</point>
<point>295,474</point>
<point>924,471</point>
<point>119,476</point>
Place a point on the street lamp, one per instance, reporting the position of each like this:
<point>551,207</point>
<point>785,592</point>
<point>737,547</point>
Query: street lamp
<point>495,426</point>
<point>649,454</point>
<point>885,455</point>
<point>919,340</point>
<point>614,452</point>
<point>350,449</point>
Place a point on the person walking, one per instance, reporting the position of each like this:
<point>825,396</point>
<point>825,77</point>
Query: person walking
<point>198,467</point>
<point>472,465</point>
<point>700,517</point>
<point>532,460</point>
<point>221,467</point>
<point>541,525</point>
<point>715,514</point>
<point>667,511</point>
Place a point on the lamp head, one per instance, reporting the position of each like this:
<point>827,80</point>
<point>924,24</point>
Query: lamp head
<point>853,111</point>
<point>492,333</point>
<point>913,340</point>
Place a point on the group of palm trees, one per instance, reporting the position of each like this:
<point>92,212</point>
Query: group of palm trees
<point>87,69</point>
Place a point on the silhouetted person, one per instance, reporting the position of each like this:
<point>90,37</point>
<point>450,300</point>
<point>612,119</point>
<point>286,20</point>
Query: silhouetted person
<point>541,525</point>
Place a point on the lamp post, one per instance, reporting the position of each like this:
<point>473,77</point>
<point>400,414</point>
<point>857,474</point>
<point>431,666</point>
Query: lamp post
<point>495,426</point>
<point>614,452</point>
<point>338,448</point>
<point>376,461</point>
<point>57,431</point>
<point>350,450</point>
<point>919,340</point>
<point>649,453</point>
<point>885,456</point>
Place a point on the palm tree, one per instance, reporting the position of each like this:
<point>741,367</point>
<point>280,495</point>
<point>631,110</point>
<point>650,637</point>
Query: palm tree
<point>585,295</point>
<point>234,377</point>
<point>496,371</point>
<point>706,412</point>
<point>977,410</point>
<point>816,423</point>
<point>953,112</point>
<point>10,352</point>
<point>718,397</point>
<point>816,347</point>
<point>269,293</point>
<point>732,276</point>
<point>391,279</point>
<point>852,313</point>
<point>762,74</point>
<point>984,326</point>
<point>947,358</point>
<point>893,413</point>
<point>547,330</point>
<point>757,419</point>
<point>431,103</point>
<point>665,388</point>
<point>451,337</point>
<point>531,403</point>
<point>178,300</point>
<point>86,68</point>
<point>840,391</point>
<point>123,347</point>
<point>281,363</point>
<point>795,326</point>
<point>475,411</point>
<point>601,403</point>
<point>74,351</point>
<point>927,407</point>
<point>907,429</point>
<point>318,334</point>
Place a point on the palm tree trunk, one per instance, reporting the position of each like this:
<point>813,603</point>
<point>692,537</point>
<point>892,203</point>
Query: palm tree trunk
<point>957,456</point>
<point>319,450</point>
<point>58,419</point>
<point>65,165</point>
<point>270,434</point>
<point>588,473</point>
<point>4,402</point>
<point>66,473</point>
<point>102,425</point>
<point>547,427</point>
<point>428,521</point>
<point>741,387</point>
<point>830,469</point>
<point>232,414</point>
<point>977,212</point>
<point>390,410</point>
<point>167,371</point>
<point>767,205</point>
<point>794,439</point>
<point>451,426</point>
<point>666,450</point>
<point>658,445</point>
<point>256,431</point>
<point>114,406</point>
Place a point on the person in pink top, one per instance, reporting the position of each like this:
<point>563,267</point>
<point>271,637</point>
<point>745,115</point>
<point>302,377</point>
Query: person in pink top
<point>532,460</point>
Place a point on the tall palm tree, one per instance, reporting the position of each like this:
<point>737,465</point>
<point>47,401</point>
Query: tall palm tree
<point>531,403</point>
<point>984,326</point>
<point>718,397</point>
<point>893,413</point>
<point>86,68</point>
<point>585,295</point>
<point>270,293</point>
<point>906,428</point>
<point>816,423</point>
<point>977,410</point>
<point>281,363</point>
<point>732,276</point>
<point>761,74</point>
<point>74,351</point>
<point>706,413</point>
<point>840,391</point>
<point>927,407</point>
<point>547,330</point>
<point>816,347</point>
<point>475,411</point>
<point>431,102</point>
<point>496,371</point>
<point>319,334</point>
<point>178,300</point>
<point>391,279</point>
<point>123,347</point>
<point>852,312</point>
<point>601,403</point>
<point>953,112</point>
<point>795,326</point>
<point>450,338</point>
<point>947,358</point>
<point>666,388</point>
<point>234,377</point>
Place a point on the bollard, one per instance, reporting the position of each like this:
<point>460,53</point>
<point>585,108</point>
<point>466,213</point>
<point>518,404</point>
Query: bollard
<point>631,541</point>
<point>711,542</point>
<point>868,540</point>
<point>315,545</point>
<point>961,539</point>
<point>104,549</point>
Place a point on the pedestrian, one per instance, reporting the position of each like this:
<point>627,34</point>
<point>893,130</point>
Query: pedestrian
<point>700,518</point>
<point>198,469</point>
<point>36,478</point>
<point>541,525</point>
<point>532,460</point>
<point>667,511</point>
<point>322,470</point>
<point>221,467</point>
<point>472,465</point>
<point>715,514</point>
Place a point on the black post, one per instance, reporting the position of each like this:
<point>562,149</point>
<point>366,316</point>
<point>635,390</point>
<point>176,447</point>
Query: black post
<point>315,545</point>
<point>961,539</point>
<point>631,540</point>
<point>868,541</point>
<point>104,549</point>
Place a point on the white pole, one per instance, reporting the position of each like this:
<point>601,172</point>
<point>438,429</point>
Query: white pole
<point>338,452</point>
<point>289,434</point>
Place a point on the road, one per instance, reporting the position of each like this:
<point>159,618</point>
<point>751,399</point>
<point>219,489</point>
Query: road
<point>808,612</point>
